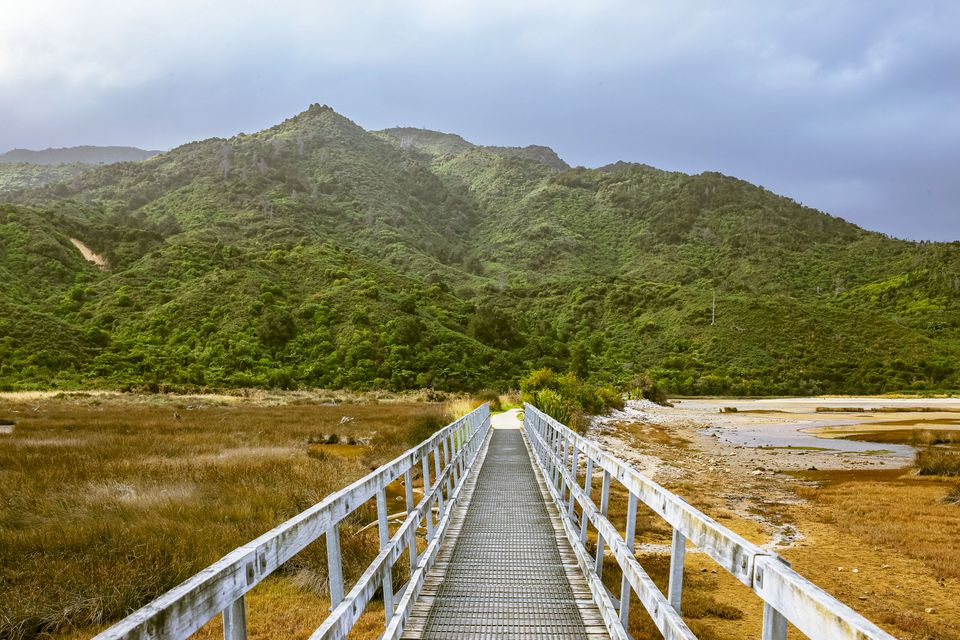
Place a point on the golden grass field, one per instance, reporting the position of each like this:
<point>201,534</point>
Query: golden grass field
<point>108,501</point>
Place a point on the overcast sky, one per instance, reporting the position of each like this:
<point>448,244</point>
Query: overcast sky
<point>852,107</point>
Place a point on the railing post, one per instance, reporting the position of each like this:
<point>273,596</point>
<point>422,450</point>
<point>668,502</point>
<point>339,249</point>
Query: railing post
<point>384,528</point>
<point>574,463</point>
<point>334,566</point>
<point>235,620</point>
<point>542,441</point>
<point>678,552</point>
<point>436,468</point>
<point>425,463</point>
<point>556,452</point>
<point>461,446</point>
<point>560,467</point>
<point>408,486</point>
<point>455,472</point>
<point>587,481</point>
<point>630,534</point>
<point>774,624</point>
<point>446,462</point>
<point>604,503</point>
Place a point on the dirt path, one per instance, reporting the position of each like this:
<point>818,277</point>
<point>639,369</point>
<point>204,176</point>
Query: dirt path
<point>509,419</point>
<point>89,255</point>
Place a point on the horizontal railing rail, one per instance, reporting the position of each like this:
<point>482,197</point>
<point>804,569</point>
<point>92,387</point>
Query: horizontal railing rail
<point>787,596</point>
<point>222,586</point>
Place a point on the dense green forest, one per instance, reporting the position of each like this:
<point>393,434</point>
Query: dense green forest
<point>318,254</point>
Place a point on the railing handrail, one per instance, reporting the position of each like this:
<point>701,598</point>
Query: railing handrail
<point>221,587</point>
<point>787,595</point>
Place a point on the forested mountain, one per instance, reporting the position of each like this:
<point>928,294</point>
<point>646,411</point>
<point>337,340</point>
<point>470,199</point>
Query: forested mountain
<point>317,253</point>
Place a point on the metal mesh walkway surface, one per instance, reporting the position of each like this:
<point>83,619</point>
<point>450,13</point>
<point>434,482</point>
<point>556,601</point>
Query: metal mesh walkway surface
<point>506,569</point>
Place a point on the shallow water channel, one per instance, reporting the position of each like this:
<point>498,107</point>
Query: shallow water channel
<point>795,423</point>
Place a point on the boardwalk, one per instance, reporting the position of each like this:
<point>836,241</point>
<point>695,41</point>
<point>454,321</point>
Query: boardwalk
<point>497,549</point>
<point>506,569</point>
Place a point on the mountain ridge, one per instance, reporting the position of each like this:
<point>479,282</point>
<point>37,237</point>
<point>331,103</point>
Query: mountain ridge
<point>84,154</point>
<point>316,253</point>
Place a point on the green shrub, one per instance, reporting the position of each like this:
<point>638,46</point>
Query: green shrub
<point>610,397</point>
<point>646,387</point>
<point>552,403</point>
<point>567,398</point>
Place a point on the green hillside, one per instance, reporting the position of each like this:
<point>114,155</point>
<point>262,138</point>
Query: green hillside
<point>315,253</point>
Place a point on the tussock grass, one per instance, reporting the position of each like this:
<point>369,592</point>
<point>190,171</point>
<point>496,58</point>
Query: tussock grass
<point>937,462</point>
<point>109,502</point>
<point>928,437</point>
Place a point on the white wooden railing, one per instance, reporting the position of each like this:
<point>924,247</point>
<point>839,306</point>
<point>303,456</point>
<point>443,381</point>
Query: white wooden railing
<point>221,586</point>
<point>787,596</point>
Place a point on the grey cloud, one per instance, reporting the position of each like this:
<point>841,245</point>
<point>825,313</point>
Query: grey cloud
<point>851,107</point>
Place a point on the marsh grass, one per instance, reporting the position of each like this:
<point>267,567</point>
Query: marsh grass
<point>110,501</point>
<point>937,462</point>
<point>908,516</point>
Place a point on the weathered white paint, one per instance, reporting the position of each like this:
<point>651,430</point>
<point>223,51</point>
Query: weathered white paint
<point>597,589</point>
<point>334,566</point>
<point>235,620</point>
<point>429,556</point>
<point>630,535</point>
<point>339,623</point>
<point>408,497</point>
<point>678,554</point>
<point>774,624</point>
<point>587,481</point>
<point>808,607</point>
